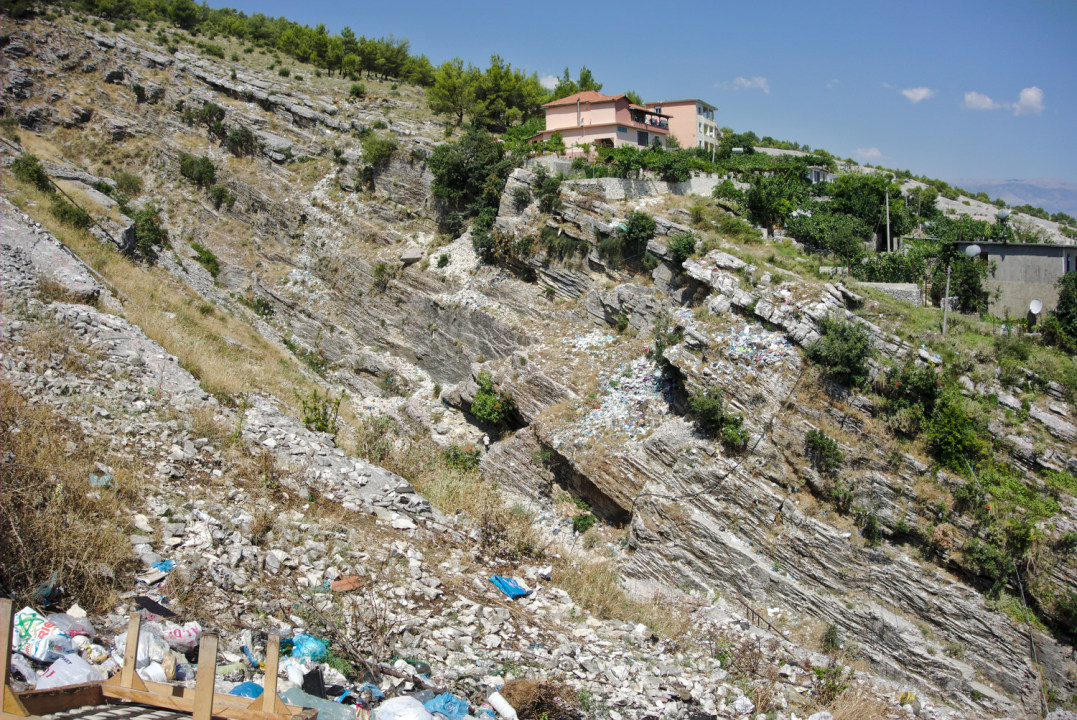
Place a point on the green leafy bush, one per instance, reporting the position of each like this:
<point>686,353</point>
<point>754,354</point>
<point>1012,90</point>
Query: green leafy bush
<point>70,214</point>
<point>443,260</point>
<point>462,458</point>
<point>639,229</point>
<point>150,234</point>
<point>548,190</point>
<point>241,141</point>
<point>357,90</point>
<point>954,435</point>
<point>988,559</point>
<point>198,169</point>
<point>488,405</point>
<point>709,409</point>
<point>843,350</point>
<point>831,641</point>
<point>583,522</point>
<point>823,451</point>
<point>28,168</point>
<point>320,412</point>
<point>1065,312</point>
<point>681,246</point>
<point>207,259</point>
<point>220,196</point>
<point>836,233</point>
<point>378,150</point>
<point>128,183</point>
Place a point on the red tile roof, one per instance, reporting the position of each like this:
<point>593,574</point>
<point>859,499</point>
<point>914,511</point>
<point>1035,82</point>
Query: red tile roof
<point>587,96</point>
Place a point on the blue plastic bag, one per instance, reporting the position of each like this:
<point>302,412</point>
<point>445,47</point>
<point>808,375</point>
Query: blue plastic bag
<point>308,646</point>
<point>448,705</point>
<point>247,689</point>
<point>509,586</point>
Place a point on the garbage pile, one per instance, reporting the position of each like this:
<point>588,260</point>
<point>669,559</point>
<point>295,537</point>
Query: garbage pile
<point>62,649</point>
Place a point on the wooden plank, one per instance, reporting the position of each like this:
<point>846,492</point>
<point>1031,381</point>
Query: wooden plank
<point>9,703</point>
<point>269,701</point>
<point>127,676</point>
<point>46,702</point>
<point>222,705</point>
<point>206,678</point>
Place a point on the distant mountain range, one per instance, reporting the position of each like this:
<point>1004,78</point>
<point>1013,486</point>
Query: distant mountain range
<point>1050,194</point>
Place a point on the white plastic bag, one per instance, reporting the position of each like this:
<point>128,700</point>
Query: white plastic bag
<point>151,647</point>
<point>181,638</point>
<point>68,670</point>
<point>402,708</point>
<point>38,638</point>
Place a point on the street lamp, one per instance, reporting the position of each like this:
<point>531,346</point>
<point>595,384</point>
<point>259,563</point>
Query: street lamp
<point>971,251</point>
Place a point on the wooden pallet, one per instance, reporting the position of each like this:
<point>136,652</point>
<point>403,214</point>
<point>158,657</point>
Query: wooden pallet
<point>201,703</point>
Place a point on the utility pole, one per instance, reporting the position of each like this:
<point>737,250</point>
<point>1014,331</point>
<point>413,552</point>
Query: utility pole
<point>889,247</point>
<point>946,301</point>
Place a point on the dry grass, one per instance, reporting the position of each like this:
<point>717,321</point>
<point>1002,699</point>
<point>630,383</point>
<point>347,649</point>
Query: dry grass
<point>541,701</point>
<point>51,519</point>
<point>858,703</point>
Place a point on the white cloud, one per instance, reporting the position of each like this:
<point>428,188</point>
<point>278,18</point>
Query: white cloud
<point>869,153</point>
<point>979,101</point>
<point>548,81</point>
<point>1029,102</point>
<point>833,83</point>
<point>917,94</point>
<point>742,83</point>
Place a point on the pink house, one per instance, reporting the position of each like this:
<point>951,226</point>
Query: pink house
<point>691,122</point>
<point>610,120</point>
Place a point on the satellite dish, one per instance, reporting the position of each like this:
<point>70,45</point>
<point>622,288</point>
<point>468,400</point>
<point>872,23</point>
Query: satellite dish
<point>972,251</point>
<point>1035,307</point>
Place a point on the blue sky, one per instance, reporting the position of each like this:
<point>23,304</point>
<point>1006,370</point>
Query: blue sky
<point>955,90</point>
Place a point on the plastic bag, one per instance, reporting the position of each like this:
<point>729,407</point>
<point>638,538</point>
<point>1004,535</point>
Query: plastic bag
<point>247,689</point>
<point>308,646</point>
<point>23,667</point>
<point>327,709</point>
<point>180,638</point>
<point>68,670</point>
<point>402,708</point>
<point>448,705</point>
<point>151,646</point>
<point>38,638</point>
<point>71,626</point>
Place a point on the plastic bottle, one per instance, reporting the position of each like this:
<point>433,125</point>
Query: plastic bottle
<point>504,709</point>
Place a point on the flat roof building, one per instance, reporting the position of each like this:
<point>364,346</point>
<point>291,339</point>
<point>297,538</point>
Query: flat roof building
<point>1025,272</point>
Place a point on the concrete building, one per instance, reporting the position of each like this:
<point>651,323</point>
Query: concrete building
<point>691,122</point>
<point>610,120</point>
<point>1025,272</point>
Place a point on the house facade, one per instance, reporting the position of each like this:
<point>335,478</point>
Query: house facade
<point>1025,272</point>
<point>691,122</point>
<point>610,120</point>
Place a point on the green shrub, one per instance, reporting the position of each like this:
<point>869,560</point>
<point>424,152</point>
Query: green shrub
<point>521,197</point>
<point>207,259</point>
<point>357,90</point>
<point>548,190</point>
<point>198,169</point>
<point>259,305</point>
<point>462,458</point>
<point>150,234</point>
<point>709,410</point>
<point>128,183</point>
<point>241,141</point>
<point>583,522</point>
<point>954,435</point>
<point>284,72</point>
<point>843,350</point>
<point>1065,312</point>
<point>681,246</point>
<point>831,641</point>
<point>140,93</point>
<point>443,260</point>
<point>988,559</point>
<point>639,229</point>
<point>70,214</point>
<point>378,150</point>
<point>28,169</point>
<point>220,196</point>
<point>822,450</point>
<point>837,233</point>
<point>320,412</point>
<point>843,495</point>
<point>490,406</point>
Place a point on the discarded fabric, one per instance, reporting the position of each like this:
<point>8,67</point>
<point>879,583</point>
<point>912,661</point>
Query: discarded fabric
<point>510,587</point>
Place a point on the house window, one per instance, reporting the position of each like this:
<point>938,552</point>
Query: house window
<point>622,129</point>
<point>643,138</point>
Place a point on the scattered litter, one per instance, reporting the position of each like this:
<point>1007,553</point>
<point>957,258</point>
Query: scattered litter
<point>448,705</point>
<point>510,587</point>
<point>247,689</point>
<point>504,709</point>
<point>344,584</point>
<point>374,690</point>
<point>68,670</point>
<point>150,610</point>
<point>102,481</point>
<point>308,646</point>
<point>165,566</point>
<point>401,708</point>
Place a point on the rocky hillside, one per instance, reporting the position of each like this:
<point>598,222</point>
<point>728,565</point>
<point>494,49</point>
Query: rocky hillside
<point>681,570</point>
